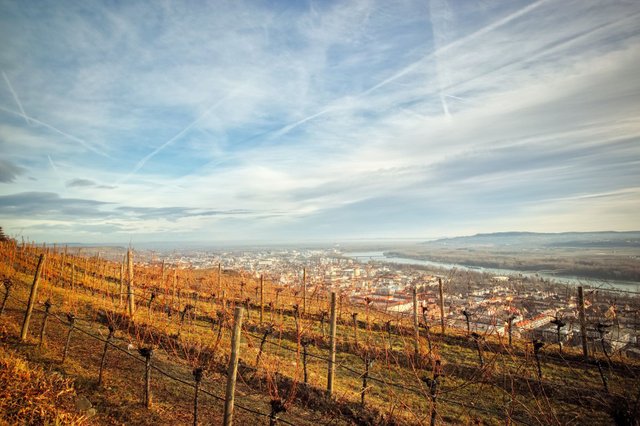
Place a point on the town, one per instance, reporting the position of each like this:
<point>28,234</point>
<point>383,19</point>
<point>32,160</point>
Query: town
<point>516,306</point>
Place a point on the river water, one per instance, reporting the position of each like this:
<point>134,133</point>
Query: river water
<point>378,256</point>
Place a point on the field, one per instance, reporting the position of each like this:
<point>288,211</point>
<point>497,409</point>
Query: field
<point>147,343</point>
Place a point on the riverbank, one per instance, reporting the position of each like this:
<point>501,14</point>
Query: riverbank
<point>393,258</point>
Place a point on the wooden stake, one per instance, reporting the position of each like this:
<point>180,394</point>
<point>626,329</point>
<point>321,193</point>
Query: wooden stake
<point>583,324</point>
<point>510,328</point>
<point>197,374</point>
<point>332,346</point>
<point>305,344</point>
<point>7,289</point>
<point>433,390</point>
<point>175,285</point>
<point>132,305</point>
<point>121,285</point>
<point>73,276</point>
<point>233,368</point>
<point>304,291</point>
<point>261,298</point>
<point>440,289</point>
<point>354,316</point>
<point>147,353</point>
<point>367,364</point>
<point>32,298</point>
<point>416,331</point>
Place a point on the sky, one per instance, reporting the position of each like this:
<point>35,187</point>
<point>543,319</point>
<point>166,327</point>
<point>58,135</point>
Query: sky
<point>293,121</point>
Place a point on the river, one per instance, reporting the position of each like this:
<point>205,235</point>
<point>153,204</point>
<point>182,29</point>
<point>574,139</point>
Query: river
<point>378,256</point>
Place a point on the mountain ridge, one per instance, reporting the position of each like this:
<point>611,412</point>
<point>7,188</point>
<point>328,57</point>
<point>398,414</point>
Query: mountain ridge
<point>545,239</point>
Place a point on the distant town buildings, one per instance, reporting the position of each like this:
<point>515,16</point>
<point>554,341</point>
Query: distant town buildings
<point>494,304</point>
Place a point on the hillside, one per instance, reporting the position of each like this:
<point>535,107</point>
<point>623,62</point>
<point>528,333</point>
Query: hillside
<point>605,239</point>
<point>595,255</point>
<point>383,375</point>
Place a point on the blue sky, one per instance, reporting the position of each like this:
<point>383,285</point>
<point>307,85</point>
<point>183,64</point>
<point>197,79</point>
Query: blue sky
<point>299,121</point>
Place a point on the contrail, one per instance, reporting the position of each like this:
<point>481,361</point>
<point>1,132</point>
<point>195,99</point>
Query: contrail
<point>445,107</point>
<point>456,98</point>
<point>155,152</point>
<point>15,97</point>
<point>456,43</point>
<point>396,76</point>
<point>463,85</point>
<point>55,169</point>
<point>414,65</point>
<point>541,53</point>
<point>441,73</point>
<point>56,130</point>
<point>286,129</point>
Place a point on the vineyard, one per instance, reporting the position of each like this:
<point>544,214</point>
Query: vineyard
<point>113,342</point>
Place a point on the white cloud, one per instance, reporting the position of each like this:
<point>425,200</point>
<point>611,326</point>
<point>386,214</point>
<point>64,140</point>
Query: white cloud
<point>322,110</point>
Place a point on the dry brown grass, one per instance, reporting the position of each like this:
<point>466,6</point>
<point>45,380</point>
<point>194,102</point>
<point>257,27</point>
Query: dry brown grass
<point>28,396</point>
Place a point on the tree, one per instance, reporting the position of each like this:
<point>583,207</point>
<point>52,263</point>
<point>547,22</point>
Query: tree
<point>2,236</point>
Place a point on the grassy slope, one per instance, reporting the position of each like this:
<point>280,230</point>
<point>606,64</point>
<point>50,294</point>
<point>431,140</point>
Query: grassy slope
<point>29,395</point>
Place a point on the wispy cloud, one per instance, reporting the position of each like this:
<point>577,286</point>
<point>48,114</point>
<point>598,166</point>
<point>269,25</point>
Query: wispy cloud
<point>80,183</point>
<point>15,97</point>
<point>9,171</point>
<point>38,205</point>
<point>56,130</point>
<point>181,133</point>
<point>326,119</point>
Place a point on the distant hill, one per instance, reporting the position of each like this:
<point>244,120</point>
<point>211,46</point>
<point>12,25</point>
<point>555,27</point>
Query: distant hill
<point>605,239</point>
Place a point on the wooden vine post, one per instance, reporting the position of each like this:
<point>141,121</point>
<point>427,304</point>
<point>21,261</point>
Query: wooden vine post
<point>467,317</point>
<point>304,291</point>
<point>261,298</point>
<point>354,316</point>
<point>416,332</point>
<point>174,287</point>
<point>537,345</point>
<point>219,277</point>
<point>277,407</point>
<point>32,298</point>
<point>332,346</point>
<point>197,375</point>
<point>7,290</point>
<point>121,284</point>
<point>368,362</point>
<point>433,390</point>
<point>147,353</point>
<point>427,328</point>
<point>131,305</point>
<point>233,368</point>
<point>441,291</point>
<point>583,324</point>
<point>510,328</point>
